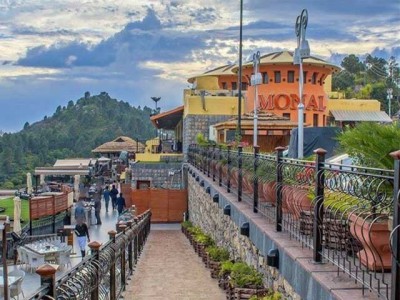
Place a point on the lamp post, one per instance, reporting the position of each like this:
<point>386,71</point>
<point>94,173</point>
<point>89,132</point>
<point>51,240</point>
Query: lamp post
<point>302,51</point>
<point>239,126</point>
<point>156,99</point>
<point>390,96</point>
<point>255,81</point>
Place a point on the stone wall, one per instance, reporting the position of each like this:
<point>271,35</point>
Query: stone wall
<point>224,230</point>
<point>194,124</point>
<point>160,175</point>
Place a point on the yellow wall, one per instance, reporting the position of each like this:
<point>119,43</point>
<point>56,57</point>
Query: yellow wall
<point>215,105</point>
<point>207,83</point>
<point>154,157</point>
<point>328,84</point>
<point>353,104</point>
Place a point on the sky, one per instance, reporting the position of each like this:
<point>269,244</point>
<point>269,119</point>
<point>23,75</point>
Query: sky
<point>53,51</point>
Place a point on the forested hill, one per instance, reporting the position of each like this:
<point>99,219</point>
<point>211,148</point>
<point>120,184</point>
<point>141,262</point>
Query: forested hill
<point>72,131</point>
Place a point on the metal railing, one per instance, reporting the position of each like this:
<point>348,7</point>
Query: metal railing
<point>343,213</point>
<point>104,273</point>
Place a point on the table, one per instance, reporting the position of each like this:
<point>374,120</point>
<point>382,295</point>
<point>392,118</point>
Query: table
<point>11,281</point>
<point>43,248</point>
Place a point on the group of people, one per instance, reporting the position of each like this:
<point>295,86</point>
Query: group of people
<point>81,228</point>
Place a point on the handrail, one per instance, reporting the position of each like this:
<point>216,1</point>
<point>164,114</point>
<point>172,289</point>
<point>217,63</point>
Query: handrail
<point>98,275</point>
<point>330,208</point>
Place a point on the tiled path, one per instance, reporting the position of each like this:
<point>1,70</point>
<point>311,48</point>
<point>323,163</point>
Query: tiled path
<point>169,269</point>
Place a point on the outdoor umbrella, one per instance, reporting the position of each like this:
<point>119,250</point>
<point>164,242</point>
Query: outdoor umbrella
<point>17,214</point>
<point>29,183</point>
<point>76,186</point>
<point>42,182</point>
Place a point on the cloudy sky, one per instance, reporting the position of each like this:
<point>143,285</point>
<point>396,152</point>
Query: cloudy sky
<point>52,51</point>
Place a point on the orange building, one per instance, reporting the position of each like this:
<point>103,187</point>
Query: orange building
<point>279,91</point>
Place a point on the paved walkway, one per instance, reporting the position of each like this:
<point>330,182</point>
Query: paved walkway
<point>170,269</point>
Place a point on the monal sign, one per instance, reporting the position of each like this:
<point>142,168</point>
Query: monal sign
<point>290,102</point>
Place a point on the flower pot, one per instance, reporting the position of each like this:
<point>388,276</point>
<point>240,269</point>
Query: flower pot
<point>269,192</point>
<point>247,293</point>
<point>214,267</point>
<point>248,183</point>
<point>374,237</point>
<point>390,223</point>
<point>299,202</point>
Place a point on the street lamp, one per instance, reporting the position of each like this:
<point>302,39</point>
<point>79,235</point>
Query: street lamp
<point>156,99</point>
<point>302,51</point>
<point>390,96</point>
<point>255,81</point>
<point>239,126</point>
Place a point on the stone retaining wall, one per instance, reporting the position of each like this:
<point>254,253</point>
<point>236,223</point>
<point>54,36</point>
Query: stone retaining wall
<point>224,230</point>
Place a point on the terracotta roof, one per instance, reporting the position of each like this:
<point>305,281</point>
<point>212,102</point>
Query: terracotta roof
<point>266,120</point>
<point>121,143</point>
<point>223,70</point>
<point>286,57</point>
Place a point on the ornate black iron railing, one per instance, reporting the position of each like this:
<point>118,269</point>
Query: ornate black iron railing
<point>347,215</point>
<point>104,273</point>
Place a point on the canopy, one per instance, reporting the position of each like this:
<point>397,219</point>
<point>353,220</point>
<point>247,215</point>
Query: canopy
<point>356,115</point>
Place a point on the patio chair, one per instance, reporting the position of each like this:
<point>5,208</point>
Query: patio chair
<point>63,258</point>
<point>23,257</point>
<point>16,287</point>
<point>35,260</point>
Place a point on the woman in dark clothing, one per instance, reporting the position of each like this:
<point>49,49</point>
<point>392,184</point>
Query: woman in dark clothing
<point>113,195</point>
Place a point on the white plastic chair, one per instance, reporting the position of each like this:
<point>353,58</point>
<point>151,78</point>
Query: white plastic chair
<point>16,287</point>
<point>63,258</point>
<point>35,260</point>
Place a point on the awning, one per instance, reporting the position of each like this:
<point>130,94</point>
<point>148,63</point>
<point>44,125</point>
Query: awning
<point>358,115</point>
<point>169,119</point>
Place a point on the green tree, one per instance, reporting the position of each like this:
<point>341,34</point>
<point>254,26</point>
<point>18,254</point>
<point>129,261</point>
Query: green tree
<point>371,143</point>
<point>352,64</point>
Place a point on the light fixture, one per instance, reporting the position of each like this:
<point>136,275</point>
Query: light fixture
<point>216,198</point>
<point>273,258</point>
<point>227,210</point>
<point>245,229</point>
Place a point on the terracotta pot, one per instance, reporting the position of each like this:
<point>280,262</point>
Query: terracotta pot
<point>299,202</point>
<point>374,237</point>
<point>234,177</point>
<point>269,192</point>
<point>248,183</point>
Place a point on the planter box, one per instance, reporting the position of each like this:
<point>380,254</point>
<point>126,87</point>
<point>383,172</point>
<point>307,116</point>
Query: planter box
<point>214,267</point>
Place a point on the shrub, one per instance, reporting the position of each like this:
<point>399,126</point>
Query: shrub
<point>217,253</point>
<point>204,239</point>
<point>226,268</point>
<point>243,276</point>
<point>187,224</point>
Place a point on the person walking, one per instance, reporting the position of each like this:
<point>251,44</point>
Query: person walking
<point>80,211</point>
<point>120,204</point>
<point>82,232</point>
<point>106,196</point>
<point>113,195</point>
<point>97,209</point>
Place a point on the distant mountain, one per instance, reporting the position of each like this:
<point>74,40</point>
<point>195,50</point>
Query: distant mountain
<point>72,131</point>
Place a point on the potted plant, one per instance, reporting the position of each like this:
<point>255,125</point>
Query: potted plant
<point>245,282</point>
<point>224,273</point>
<point>185,226</point>
<point>216,255</point>
<point>201,242</point>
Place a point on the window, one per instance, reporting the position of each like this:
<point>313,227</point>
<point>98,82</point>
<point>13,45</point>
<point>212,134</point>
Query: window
<point>314,78</point>
<point>265,77</point>
<point>304,117</point>
<point>244,86</point>
<point>290,76</point>
<point>234,85</point>
<point>277,76</point>
<point>224,86</point>
<point>286,115</point>
<point>315,120</point>
<point>304,77</point>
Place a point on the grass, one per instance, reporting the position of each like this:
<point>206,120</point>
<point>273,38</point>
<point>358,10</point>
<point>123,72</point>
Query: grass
<point>8,204</point>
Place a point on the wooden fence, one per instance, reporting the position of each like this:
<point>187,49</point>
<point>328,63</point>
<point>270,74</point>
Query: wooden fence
<point>165,205</point>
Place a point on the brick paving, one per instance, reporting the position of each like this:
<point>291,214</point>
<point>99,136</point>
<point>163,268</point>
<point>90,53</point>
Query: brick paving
<point>170,269</point>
